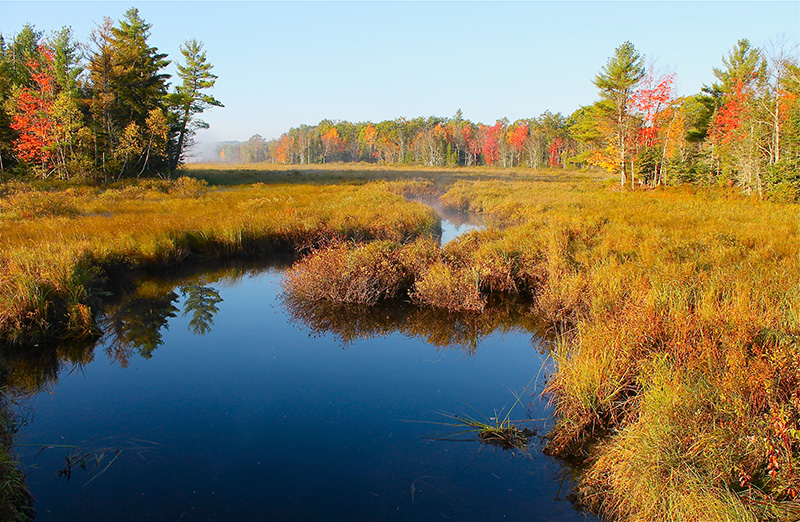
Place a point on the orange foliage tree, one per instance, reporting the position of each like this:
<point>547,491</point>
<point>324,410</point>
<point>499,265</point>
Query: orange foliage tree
<point>516,138</point>
<point>33,113</point>
<point>47,122</point>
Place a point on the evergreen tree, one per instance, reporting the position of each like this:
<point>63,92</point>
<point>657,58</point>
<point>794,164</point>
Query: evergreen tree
<point>23,48</point>
<point>6,132</point>
<point>188,100</point>
<point>744,64</point>
<point>136,79</point>
<point>128,98</point>
<point>67,57</point>
<point>616,81</point>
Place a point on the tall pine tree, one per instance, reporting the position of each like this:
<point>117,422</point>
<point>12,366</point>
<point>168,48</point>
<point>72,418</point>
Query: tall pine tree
<point>617,81</point>
<point>188,100</point>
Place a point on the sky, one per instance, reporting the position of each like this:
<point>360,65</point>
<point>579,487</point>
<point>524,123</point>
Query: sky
<point>283,64</point>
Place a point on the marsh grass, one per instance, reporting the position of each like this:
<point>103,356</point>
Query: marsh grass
<point>16,501</point>
<point>501,434</point>
<point>704,280</point>
<point>54,263</point>
<point>498,430</point>
<point>679,309</point>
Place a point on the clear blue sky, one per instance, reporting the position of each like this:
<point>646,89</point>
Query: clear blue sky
<point>281,64</point>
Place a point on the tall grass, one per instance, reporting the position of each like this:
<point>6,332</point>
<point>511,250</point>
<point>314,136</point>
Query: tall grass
<point>58,248</point>
<point>678,362</point>
<point>702,279</point>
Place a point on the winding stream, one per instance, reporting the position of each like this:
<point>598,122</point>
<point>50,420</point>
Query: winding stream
<point>210,397</point>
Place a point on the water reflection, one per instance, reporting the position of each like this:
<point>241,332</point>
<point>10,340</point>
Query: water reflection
<point>440,328</point>
<point>135,322</point>
<point>36,368</point>
<point>201,300</point>
<point>132,323</point>
<point>454,222</point>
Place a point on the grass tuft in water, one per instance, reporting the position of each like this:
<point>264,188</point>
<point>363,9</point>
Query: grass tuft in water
<point>501,434</point>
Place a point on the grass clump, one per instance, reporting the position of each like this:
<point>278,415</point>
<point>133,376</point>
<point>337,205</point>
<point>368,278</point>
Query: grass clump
<point>380,271</point>
<point>357,274</point>
<point>451,288</point>
<point>501,433</point>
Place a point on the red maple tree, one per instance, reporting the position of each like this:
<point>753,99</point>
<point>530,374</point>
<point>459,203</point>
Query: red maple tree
<point>650,100</point>
<point>728,118</point>
<point>554,151</point>
<point>491,138</point>
<point>34,112</point>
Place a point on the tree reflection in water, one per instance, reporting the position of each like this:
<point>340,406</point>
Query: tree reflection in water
<point>440,328</point>
<point>133,324</point>
<point>201,301</point>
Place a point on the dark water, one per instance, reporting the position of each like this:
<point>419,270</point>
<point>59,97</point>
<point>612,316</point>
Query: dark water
<point>212,398</point>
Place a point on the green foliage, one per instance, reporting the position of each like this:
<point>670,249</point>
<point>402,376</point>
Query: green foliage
<point>188,100</point>
<point>744,64</point>
<point>137,80</point>
<point>616,82</point>
<point>67,66</point>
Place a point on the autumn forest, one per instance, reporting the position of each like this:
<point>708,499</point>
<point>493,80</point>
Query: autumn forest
<point>742,130</point>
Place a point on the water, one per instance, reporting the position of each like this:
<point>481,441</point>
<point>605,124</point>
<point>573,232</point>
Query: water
<point>456,223</point>
<point>212,398</point>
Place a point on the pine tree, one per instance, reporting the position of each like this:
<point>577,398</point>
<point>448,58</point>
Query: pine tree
<point>617,81</point>
<point>188,100</point>
<point>67,57</point>
<point>744,64</point>
<point>136,78</point>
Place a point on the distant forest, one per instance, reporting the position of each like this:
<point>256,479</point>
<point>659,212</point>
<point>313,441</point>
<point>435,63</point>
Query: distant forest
<point>743,130</point>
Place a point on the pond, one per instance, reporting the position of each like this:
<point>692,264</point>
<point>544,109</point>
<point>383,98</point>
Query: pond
<point>212,397</point>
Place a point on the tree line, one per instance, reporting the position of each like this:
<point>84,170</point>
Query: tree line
<point>100,110</point>
<point>742,130</point>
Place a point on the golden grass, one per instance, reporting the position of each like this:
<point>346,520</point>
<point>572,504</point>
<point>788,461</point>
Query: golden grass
<point>703,282</point>
<point>703,279</point>
<point>53,261</point>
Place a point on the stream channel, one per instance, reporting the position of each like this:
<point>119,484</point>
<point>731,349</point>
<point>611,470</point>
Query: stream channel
<point>210,397</point>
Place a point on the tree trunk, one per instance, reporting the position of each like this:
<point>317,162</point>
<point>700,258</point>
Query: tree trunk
<point>181,137</point>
